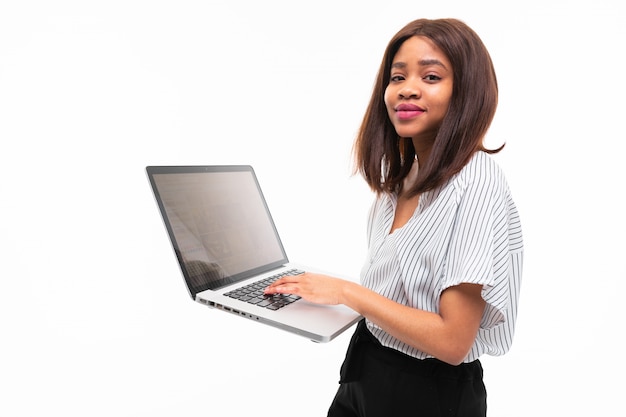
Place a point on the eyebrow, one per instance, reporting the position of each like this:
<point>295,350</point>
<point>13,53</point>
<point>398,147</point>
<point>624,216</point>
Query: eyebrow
<point>421,62</point>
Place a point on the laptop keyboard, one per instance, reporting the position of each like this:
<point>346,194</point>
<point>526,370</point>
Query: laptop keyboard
<point>253,293</point>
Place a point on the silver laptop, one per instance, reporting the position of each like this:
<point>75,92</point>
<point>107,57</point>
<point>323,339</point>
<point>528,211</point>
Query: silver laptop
<point>229,250</point>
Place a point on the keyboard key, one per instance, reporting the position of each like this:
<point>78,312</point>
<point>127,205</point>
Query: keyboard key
<point>253,293</point>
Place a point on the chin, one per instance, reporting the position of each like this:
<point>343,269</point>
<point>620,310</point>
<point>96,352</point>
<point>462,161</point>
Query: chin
<point>405,133</point>
<point>405,130</point>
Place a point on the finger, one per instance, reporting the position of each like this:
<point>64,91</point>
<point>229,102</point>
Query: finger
<point>277,285</point>
<point>282,285</point>
<point>279,289</point>
<point>289,279</point>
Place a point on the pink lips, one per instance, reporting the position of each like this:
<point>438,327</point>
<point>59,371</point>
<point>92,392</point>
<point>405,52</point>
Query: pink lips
<point>408,111</point>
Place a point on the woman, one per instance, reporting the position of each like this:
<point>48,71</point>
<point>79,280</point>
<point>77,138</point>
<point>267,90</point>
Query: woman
<point>441,281</point>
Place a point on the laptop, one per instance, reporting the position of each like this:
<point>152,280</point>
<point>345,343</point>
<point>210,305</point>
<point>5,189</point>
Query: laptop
<point>228,248</point>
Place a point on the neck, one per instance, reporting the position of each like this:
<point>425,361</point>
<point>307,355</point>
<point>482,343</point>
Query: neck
<point>422,150</point>
<point>422,156</point>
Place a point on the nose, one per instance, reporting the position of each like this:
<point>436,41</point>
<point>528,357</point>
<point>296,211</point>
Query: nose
<point>408,91</point>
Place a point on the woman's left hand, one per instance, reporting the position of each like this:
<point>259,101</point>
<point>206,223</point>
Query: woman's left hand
<point>316,288</point>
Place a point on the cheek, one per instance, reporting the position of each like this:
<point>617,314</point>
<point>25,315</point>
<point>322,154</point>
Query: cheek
<point>446,97</point>
<point>386,99</point>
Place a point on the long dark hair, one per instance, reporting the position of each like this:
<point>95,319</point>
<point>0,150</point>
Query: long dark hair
<point>384,159</point>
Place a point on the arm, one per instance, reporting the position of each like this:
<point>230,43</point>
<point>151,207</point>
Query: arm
<point>448,335</point>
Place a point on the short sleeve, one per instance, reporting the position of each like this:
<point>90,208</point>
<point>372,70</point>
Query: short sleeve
<point>486,242</point>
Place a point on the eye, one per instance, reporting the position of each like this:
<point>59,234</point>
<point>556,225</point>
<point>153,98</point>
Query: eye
<point>396,78</point>
<point>431,78</point>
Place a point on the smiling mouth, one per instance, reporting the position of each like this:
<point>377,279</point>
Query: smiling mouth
<point>408,111</point>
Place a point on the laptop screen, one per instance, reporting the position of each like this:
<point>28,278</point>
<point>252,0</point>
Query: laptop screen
<point>218,222</point>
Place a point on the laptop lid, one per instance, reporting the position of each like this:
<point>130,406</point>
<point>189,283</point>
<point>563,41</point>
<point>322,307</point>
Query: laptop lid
<point>218,222</point>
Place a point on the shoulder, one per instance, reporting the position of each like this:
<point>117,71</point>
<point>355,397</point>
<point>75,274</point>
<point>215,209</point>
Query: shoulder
<point>482,173</point>
<point>482,166</point>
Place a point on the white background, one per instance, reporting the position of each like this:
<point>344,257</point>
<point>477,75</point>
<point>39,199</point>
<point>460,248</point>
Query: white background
<point>94,317</point>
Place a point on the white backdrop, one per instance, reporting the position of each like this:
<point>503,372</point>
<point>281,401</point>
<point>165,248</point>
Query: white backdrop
<point>94,318</point>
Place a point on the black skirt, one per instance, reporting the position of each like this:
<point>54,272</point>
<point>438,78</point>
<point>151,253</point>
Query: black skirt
<point>381,381</point>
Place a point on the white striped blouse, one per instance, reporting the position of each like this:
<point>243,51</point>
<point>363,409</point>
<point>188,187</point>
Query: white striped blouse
<point>467,231</point>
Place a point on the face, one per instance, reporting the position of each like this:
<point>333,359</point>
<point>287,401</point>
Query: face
<point>419,90</point>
